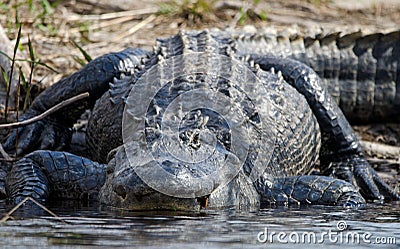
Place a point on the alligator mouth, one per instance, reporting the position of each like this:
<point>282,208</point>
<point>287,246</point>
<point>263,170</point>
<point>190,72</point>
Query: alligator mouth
<point>140,196</point>
<point>177,171</point>
<point>125,189</point>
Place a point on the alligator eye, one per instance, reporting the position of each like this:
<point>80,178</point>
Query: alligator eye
<point>203,201</point>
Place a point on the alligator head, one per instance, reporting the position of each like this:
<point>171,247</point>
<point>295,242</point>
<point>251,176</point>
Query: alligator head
<point>180,190</point>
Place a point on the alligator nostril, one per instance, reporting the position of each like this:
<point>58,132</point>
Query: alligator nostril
<point>121,191</point>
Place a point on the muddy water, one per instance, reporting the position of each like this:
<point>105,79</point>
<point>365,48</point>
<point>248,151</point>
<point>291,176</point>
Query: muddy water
<point>91,225</point>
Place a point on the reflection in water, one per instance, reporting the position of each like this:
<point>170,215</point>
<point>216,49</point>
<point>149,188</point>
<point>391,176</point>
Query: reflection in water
<point>93,225</point>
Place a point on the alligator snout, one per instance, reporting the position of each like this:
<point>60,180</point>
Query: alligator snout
<point>125,189</point>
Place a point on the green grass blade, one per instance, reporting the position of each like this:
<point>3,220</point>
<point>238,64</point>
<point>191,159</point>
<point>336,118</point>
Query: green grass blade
<point>23,79</point>
<point>5,76</point>
<point>46,66</point>
<point>88,58</point>
<point>30,61</point>
<point>27,88</point>
<point>31,53</point>
<point>6,55</point>
<point>12,70</point>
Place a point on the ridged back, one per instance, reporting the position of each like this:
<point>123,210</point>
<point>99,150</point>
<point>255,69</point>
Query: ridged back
<point>292,128</point>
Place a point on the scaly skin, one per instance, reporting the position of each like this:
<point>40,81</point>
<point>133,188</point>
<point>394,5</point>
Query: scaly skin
<point>361,72</point>
<point>307,124</point>
<point>94,79</point>
<point>53,174</point>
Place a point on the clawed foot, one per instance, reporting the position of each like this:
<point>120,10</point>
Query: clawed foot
<point>43,134</point>
<point>357,171</point>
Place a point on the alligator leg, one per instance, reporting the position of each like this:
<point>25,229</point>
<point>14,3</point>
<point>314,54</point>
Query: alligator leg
<point>42,174</point>
<point>313,190</point>
<point>340,154</point>
<point>54,132</point>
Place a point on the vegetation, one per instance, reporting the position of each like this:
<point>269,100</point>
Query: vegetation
<point>50,31</point>
<point>196,11</point>
<point>40,16</point>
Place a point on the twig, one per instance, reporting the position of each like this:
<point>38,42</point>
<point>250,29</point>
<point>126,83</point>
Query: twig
<point>105,24</point>
<point>8,215</point>
<point>46,113</point>
<point>135,28</point>
<point>113,15</point>
<point>379,161</point>
<point>381,150</point>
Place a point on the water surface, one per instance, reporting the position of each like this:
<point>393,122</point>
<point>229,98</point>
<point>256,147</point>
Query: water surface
<point>87,226</point>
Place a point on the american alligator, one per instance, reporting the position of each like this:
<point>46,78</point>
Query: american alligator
<point>216,119</point>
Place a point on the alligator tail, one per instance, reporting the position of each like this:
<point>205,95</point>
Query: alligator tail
<point>361,72</point>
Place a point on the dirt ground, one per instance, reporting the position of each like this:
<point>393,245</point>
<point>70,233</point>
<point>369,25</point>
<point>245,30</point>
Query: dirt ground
<point>104,26</point>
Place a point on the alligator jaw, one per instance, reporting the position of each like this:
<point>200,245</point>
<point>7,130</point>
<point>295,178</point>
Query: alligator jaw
<point>125,189</point>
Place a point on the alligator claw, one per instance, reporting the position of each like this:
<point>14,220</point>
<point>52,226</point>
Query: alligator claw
<point>388,192</point>
<point>43,134</point>
<point>23,139</point>
<point>357,171</point>
<point>363,176</point>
